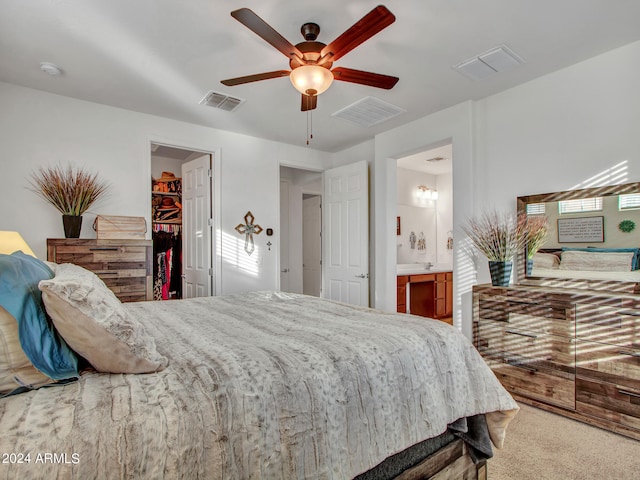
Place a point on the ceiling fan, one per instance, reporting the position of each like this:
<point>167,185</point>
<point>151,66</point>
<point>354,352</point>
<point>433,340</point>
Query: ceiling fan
<point>311,61</point>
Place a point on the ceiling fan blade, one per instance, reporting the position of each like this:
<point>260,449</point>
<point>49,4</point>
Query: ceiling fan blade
<point>261,28</point>
<point>376,20</point>
<point>364,78</point>
<point>309,102</point>
<point>255,78</point>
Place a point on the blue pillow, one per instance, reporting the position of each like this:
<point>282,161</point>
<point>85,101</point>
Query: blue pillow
<point>635,260</point>
<point>20,296</point>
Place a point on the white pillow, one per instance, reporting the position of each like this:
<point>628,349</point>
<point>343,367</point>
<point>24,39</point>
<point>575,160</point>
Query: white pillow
<point>94,324</point>
<point>545,260</point>
<point>596,261</point>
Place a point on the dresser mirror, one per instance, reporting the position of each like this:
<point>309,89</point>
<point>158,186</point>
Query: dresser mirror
<point>594,236</point>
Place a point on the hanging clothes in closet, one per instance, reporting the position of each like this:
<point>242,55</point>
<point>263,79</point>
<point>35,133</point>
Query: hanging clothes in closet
<point>167,265</point>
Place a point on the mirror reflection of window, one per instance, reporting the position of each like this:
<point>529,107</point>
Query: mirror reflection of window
<point>629,201</point>
<point>580,205</point>
<point>536,208</point>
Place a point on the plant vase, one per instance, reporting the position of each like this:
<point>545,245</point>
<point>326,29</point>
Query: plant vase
<point>72,225</point>
<point>500,273</point>
<point>529,266</point>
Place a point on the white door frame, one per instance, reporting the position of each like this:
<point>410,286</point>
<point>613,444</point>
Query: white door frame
<point>215,152</point>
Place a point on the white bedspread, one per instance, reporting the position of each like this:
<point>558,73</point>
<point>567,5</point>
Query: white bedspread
<point>261,385</point>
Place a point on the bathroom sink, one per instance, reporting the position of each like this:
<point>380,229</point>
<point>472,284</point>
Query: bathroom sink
<point>417,268</point>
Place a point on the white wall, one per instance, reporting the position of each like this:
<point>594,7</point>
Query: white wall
<point>38,128</point>
<point>554,133</point>
<point>453,125</point>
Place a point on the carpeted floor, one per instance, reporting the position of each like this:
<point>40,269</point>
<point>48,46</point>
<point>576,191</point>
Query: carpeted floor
<point>545,446</point>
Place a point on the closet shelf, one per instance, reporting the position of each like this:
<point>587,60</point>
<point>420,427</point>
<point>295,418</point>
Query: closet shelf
<point>165,194</point>
<point>172,222</point>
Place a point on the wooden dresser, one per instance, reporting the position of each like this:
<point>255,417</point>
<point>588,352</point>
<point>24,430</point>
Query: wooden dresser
<point>573,352</point>
<point>125,266</point>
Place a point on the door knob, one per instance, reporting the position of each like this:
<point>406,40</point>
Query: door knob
<point>363,275</point>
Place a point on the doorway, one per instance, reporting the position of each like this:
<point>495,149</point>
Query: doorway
<point>425,207</point>
<point>300,235</point>
<point>181,214</point>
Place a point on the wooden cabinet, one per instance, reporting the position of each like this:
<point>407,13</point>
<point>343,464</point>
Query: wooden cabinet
<point>401,293</point>
<point>124,265</point>
<point>430,295</point>
<point>575,353</point>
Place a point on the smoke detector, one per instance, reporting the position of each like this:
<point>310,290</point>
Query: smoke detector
<point>50,69</point>
<point>435,159</point>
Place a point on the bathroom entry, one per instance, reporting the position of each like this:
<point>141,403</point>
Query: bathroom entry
<point>425,207</point>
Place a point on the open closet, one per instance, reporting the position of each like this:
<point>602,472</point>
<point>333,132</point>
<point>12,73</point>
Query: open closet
<point>166,220</point>
<point>167,217</point>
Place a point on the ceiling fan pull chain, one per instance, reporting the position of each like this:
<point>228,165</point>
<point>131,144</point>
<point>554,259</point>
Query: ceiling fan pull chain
<point>309,125</point>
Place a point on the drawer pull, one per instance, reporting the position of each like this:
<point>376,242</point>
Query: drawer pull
<point>627,392</point>
<point>519,364</point>
<point>522,334</point>
<point>102,249</point>
<point>107,273</point>
<point>630,354</point>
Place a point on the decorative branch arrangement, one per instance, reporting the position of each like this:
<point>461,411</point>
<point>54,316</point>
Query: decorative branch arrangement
<point>70,190</point>
<point>248,229</point>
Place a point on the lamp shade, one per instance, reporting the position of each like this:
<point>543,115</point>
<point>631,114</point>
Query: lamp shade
<point>12,242</point>
<point>311,79</point>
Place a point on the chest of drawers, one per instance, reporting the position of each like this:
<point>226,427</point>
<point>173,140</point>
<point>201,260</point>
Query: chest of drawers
<point>124,265</point>
<point>571,352</point>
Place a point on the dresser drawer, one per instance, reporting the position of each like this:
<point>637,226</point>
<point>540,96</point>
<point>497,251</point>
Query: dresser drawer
<point>539,366</point>
<point>606,324</point>
<point>608,401</point>
<point>548,319</point>
<point>609,363</point>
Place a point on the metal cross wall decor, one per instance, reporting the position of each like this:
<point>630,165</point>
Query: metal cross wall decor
<point>248,229</point>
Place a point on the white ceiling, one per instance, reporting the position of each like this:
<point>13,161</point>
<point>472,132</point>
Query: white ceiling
<point>420,161</point>
<point>162,56</point>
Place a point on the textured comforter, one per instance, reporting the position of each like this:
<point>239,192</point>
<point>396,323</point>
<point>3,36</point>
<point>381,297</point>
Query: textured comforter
<point>261,385</point>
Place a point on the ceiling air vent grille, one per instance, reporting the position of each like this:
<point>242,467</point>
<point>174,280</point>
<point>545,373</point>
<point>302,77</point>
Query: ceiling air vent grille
<point>498,59</point>
<point>221,101</point>
<point>368,112</point>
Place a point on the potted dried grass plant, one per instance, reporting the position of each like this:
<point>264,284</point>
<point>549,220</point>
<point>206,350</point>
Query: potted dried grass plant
<point>71,191</point>
<point>499,237</point>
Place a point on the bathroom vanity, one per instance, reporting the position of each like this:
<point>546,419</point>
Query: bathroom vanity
<point>427,292</point>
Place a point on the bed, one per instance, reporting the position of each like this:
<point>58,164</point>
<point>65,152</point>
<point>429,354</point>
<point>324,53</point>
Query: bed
<point>256,385</point>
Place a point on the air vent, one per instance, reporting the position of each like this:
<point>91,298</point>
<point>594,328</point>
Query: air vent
<point>492,61</point>
<point>435,159</point>
<point>221,101</point>
<point>368,112</point>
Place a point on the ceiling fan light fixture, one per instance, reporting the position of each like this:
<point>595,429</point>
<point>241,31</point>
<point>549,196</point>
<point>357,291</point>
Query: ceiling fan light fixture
<point>311,79</point>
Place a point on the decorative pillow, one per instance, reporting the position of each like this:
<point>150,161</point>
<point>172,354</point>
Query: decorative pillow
<point>635,262</point>
<point>546,260</point>
<point>93,322</point>
<point>15,368</point>
<point>19,295</point>
<point>596,261</point>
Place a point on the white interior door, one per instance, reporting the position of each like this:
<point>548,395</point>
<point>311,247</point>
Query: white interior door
<point>311,246</point>
<point>346,234</point>
<point>197,220</point>
<point>285,267</point>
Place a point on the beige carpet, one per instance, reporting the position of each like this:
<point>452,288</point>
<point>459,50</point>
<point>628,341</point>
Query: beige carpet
<point>545,446</point>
